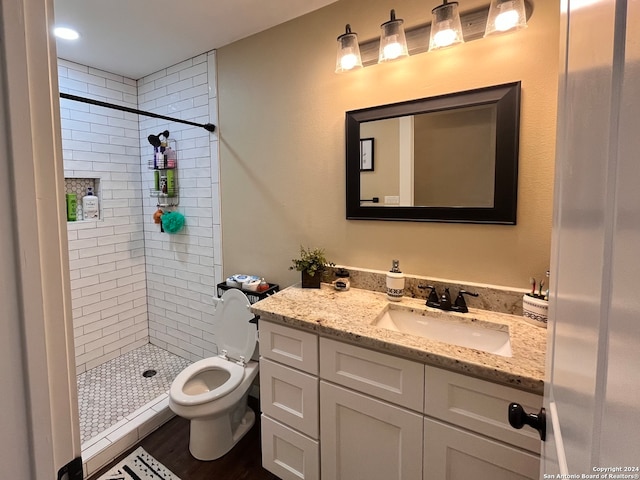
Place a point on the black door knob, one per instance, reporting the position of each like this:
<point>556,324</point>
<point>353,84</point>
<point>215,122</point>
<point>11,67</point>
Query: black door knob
<point>518,418</point>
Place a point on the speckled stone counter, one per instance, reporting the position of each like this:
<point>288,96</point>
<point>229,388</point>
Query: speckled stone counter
<point>349,316</point>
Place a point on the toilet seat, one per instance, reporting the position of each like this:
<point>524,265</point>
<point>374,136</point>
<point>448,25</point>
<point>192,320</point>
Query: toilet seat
<point>233,332</point>
<point>235,371</point>
<point>236,338</point>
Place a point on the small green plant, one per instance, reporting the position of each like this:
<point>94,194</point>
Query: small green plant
<point>311,261</point>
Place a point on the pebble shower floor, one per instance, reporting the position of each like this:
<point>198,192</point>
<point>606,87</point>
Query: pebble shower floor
<point>113,390</point>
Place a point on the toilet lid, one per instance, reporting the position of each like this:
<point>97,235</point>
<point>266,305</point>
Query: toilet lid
<point>231,325</point>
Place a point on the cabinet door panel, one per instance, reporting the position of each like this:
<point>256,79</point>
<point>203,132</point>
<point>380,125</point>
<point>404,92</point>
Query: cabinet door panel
<point>479,405</point>
<point>287,453</point>
<point>289,396</point>
<point>384,376</point>
<point>289,346</point>
<point>454,454</point>
<point>367,439</point>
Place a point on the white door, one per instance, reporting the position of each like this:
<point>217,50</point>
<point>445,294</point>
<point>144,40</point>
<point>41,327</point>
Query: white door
<point>592,394</point>
<point>39,432</point>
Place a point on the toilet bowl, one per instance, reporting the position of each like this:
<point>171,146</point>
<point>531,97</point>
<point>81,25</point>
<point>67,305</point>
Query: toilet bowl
<point>212,393</point>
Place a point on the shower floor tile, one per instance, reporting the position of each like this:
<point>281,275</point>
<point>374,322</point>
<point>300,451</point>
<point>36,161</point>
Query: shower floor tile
<point>115,389</point>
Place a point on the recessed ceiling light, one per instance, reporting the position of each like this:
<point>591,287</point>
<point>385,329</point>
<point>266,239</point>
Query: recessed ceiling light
<point>66,33</point>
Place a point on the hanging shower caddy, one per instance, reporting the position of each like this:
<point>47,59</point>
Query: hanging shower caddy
<point>164,164</point>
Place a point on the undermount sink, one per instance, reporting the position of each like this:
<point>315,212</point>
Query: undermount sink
<point>464,332</point>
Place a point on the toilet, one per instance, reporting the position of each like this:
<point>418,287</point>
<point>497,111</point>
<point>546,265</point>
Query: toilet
<point>213,392</point>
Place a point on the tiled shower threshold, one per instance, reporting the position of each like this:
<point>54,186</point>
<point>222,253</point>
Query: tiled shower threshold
<point>119,406</point>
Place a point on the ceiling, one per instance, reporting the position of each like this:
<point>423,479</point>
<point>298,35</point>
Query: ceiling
<point>135,38</point>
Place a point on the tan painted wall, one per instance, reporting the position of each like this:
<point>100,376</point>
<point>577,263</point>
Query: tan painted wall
<point>282,148</point>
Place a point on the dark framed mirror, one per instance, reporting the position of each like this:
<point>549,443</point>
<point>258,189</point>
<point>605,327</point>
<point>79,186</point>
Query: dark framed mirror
<point>449,158</point>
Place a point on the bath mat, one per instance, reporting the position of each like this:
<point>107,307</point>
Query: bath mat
<point>139,465</point>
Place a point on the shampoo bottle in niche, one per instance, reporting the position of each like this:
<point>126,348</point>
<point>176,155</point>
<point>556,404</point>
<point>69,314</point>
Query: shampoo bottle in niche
<point>395,282</point>
<point>90,205</point>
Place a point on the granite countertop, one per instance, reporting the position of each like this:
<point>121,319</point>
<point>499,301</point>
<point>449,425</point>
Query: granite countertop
<point>349,317</point>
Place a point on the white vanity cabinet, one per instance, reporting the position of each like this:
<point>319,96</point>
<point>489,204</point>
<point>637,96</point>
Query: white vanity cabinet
<point>332,410</point>
<point>477,441</point>
<point>289,402</point>
<point>367,431</point>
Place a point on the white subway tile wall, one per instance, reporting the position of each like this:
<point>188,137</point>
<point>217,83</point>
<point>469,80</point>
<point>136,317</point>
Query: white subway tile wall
<point>183,268</point>
<point>108,282</point>
<point>130,283</point>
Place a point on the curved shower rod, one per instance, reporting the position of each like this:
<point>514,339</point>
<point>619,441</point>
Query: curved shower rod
<point>209,127</point>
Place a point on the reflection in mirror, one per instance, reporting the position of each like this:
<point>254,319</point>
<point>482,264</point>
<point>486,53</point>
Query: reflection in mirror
<point>448,158</point>
<point>426,169</point>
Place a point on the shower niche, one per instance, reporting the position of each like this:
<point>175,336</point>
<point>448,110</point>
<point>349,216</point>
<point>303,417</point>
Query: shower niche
<point>79,186</point>
<point>164,165</point>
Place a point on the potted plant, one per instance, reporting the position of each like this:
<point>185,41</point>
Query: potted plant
<point>313,265</point>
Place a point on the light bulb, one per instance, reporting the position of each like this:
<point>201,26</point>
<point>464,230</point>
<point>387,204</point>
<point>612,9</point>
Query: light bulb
<point>348,61</point>
<point>444,38</point>
<point>507,20</point>
<point>392,51</point>
<point>66,33</point>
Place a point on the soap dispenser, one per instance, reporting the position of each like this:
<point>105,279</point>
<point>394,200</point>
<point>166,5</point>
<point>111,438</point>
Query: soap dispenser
<point>395,282</point>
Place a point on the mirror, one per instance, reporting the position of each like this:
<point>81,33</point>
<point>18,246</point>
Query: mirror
<point>450,158</point>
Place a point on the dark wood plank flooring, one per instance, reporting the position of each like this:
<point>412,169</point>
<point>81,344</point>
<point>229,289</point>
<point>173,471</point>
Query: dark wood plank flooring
<point>169,444</point>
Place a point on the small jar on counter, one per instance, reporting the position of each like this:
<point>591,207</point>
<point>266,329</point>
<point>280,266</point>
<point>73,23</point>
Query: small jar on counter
<point>342,282</point>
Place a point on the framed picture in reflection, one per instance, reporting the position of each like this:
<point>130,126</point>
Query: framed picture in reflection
<point>366,154</point>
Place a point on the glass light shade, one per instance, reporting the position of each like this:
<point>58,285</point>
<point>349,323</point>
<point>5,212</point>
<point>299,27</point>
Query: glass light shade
<point>505,16</point>
<point>393,43</point>
<point>446,29</point>
<point>348,57</point>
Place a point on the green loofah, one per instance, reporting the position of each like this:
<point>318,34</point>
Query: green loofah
<point>172,222</point>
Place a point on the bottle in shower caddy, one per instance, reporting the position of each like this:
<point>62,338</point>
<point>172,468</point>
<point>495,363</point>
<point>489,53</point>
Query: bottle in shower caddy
<point>90,205</point>
<point>395,282</point>
<point>170,155</point>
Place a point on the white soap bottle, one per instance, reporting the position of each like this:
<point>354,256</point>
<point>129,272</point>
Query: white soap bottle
<point>395,282</point>
<point>90,205</point>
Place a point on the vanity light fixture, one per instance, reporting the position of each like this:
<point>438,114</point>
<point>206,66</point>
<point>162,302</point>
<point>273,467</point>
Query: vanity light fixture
<point>446,29</point>
<point>505,16</point>
<point>348,51</point>
<point>393,43</point>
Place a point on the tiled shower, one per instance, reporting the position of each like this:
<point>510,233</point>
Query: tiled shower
<point>131,284</point>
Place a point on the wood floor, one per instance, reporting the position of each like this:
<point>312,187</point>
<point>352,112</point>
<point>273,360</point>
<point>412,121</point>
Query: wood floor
<point>170,446</point>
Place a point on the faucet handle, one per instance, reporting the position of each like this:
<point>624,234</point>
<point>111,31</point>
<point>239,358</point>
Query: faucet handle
<point>433,299</point>
<point>461,305</point>
<point>445,300</point>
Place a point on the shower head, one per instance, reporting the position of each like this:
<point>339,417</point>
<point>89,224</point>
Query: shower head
<point>155,141</point>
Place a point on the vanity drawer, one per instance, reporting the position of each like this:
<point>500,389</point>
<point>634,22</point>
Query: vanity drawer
<point>479,405</point>
<point>451,453</point>
<point>390,378</point>
<point>287,453</point>
<point>289,396</point>
<point>289,346</point>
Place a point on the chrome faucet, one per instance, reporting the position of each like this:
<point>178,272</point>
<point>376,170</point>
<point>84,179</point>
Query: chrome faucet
<point>443,302</point>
